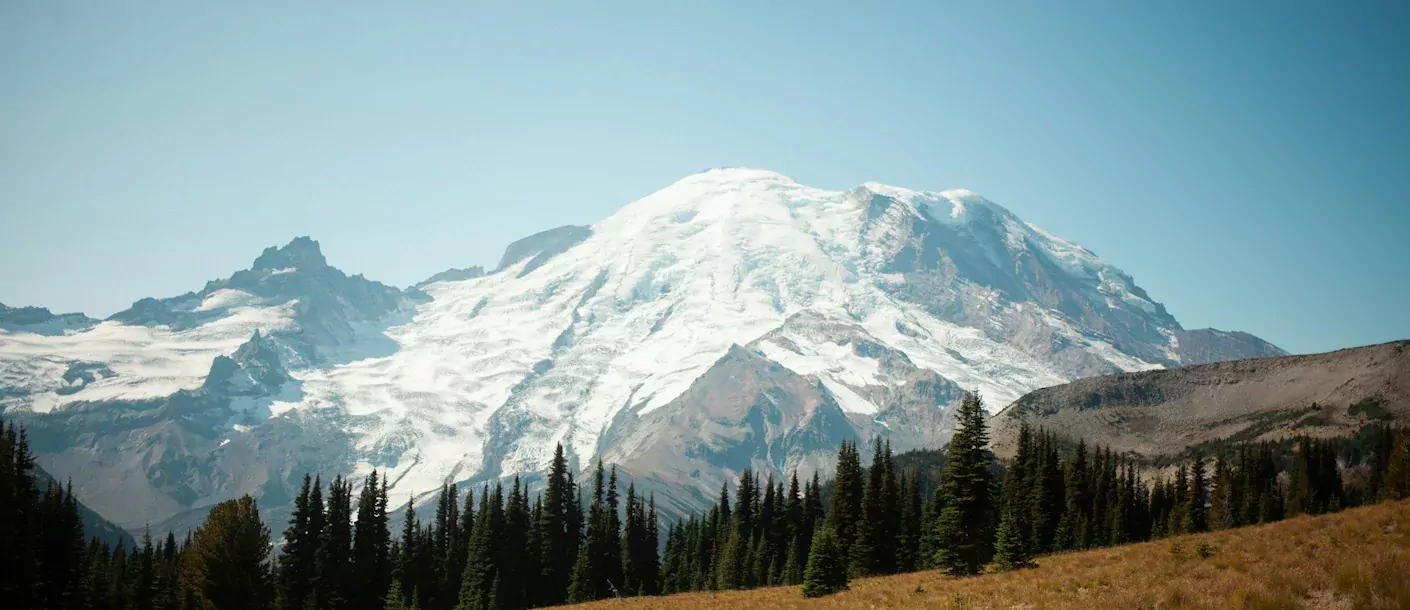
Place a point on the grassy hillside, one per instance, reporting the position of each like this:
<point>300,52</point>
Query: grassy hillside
<point>1359,558</point>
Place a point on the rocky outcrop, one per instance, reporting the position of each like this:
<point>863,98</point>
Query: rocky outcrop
<point>542,246</point>
<point>1166,413</point>
<point>42,321</point>
<point>1205,345</point>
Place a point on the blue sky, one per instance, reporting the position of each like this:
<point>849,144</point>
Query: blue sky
<point>1249,165</point>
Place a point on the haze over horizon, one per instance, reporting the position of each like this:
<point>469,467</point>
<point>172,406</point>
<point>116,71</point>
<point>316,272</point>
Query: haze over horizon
<point>1248,177</point>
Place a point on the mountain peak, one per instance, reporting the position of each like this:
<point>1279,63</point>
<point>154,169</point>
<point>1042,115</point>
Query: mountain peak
<point>301,253</point>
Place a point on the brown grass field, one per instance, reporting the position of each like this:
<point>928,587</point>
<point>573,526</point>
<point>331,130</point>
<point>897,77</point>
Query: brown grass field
<point>1359,558</point>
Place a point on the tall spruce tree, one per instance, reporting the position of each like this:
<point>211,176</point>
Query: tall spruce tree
<point>558,543</point>
<point>299,553</point>
<point>827,566</point>
<point>477,584</point>
<point>229,564</point>
<point>849,486</point>
<point>964,527</point>
<point>371,547</point>
<point>592,571</point>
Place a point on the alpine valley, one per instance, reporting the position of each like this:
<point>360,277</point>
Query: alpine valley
<point>735,319</point>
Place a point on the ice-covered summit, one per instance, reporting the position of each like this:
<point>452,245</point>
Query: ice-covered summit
<point>733,319</point>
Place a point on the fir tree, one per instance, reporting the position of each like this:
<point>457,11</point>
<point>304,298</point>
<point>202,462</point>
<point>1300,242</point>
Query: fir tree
<point>963,527</point>
<point>849,485</point>
<point>477,591</point>
<point>229,564</point>
<point>297,556</point>
<point>371,547</point>
<point>593,571</point>
<point>1010,548</point>
<point>1395,484</point>
<point>827,566</point>
<point>558,543</point>
<point>394,600</point>
<point>1196,516</point>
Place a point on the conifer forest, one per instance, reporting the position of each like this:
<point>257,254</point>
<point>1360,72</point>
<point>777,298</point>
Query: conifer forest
<point>504,545</point>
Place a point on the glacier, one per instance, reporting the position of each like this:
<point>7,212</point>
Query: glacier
<point>855,313</point>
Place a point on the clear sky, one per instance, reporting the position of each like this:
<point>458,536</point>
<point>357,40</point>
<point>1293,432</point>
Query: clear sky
<point>1248,162</point>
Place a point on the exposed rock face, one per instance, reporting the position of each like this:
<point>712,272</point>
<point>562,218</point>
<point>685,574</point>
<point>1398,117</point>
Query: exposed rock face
<point>41,321</point>
<point>163,462</point>
<point>94,524</point>
<point>1165,413</point>
<point>331,313</point>
<point>1205,345</point>
<point>540,247</point>
<point>453,275</point>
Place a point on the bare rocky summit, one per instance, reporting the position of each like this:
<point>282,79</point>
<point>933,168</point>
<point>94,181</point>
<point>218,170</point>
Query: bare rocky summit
<point>1165,413</point>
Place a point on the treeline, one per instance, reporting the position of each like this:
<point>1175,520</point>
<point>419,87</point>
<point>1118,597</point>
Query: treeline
<point>485,551</point>
<point>501,548</point>
<point>1051,497</point>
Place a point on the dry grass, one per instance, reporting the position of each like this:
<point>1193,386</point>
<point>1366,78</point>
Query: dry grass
<point>1355,559</point>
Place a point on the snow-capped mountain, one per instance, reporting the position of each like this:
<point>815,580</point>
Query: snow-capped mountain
<point>733,319</point>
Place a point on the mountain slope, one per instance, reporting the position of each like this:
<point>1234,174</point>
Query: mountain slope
<point>861,313</point>
<point>1164,413</point>
<point>1351,559</point>
<point>94,525</point>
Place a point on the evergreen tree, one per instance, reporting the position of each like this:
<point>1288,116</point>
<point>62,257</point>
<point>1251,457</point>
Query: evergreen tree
<point>1010,548</point>
<point>515,560</point>
<point>1221,496</point>
<point>229,565</point>
<point>964,526</point>
<point>1046,487</point>
<point>332,567</point>
<point>371,547</point>
<point>908,538</point>
<point>1395,484</point>
<point>868,546</point>
<point>558,542</point>
<point>827,566</point>
<point>1196,516</point>
<point>1073,522</point>
<point>405,569</point>
<point>599,557</point>
<point>297,556</point>
<point>477,584</point>
<point>849,486</point>
<point>394,599</point>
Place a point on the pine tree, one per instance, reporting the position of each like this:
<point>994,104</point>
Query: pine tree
<point>558,543</point>
<point>827,566</point>
<point>229,557</point>
<point>1221,496</point>
<point>1047,490</point>
<point>1396,482</point>
<point>912,513</point>
<point>445,530</point>
<point>1075,503</point>
<point>846,509</point>
<point>296,557</point>
<point>477,590</point>
<point>332,565</point>
<point>515,560</point>
<point>1010,548</point>
<point>371,547</point>
<point>1195,515</point>
<point>594,569</point>
<point>405,570</point>
<point>394,600</point>
<point>612,548</point>
<point>964,527</point>
<point>868,545</point>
